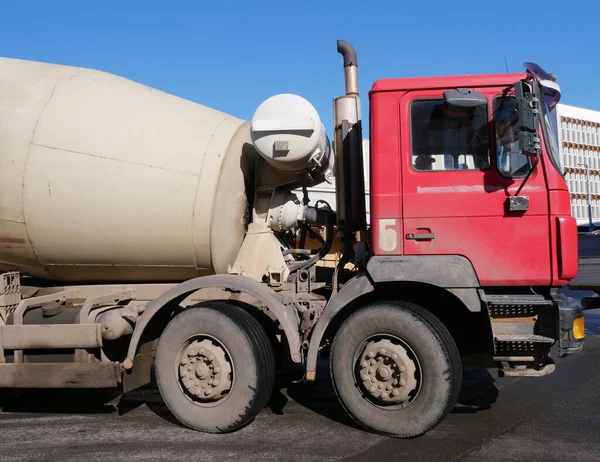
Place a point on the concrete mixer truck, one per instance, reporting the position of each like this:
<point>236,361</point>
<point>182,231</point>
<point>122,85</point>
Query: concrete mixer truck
<point>139,230</point>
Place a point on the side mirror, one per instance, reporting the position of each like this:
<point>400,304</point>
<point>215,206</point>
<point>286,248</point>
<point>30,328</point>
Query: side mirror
<point>464,100</point>
<point>528,106</point>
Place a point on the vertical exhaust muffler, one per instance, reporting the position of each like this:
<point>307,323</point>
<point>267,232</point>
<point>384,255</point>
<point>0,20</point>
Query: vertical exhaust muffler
<point>349,171</point>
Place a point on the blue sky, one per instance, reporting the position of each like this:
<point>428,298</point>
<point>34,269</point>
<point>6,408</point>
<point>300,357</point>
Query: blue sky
<point>231,55</point>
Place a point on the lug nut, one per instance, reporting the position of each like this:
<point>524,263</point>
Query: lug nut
<point>402,382</point>
<point>364,364</point>
<point>384,395</point>
<point>395,392</point>
<point>217,369</point>
<point>192,352</point>
<point>372,389</point>
<point>382,351</point>
<point>211,357</point>
<point>402,368</point>
<point>184,361</point>
<point>365,377</point>
<point>394,356</point>
<point>371,354</point>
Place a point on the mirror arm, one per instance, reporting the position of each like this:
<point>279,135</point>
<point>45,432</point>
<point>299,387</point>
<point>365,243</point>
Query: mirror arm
<point>529,173</point>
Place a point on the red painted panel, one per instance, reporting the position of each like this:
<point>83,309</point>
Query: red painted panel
<point>560,202</point>
<point>466,211</point>
<point>560,208</point>
<point>448,82</point>
<point>567,247</point>
<point>503,251</point>
<point>386,184</point>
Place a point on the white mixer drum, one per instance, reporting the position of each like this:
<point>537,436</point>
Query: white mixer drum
<point>104,179</point>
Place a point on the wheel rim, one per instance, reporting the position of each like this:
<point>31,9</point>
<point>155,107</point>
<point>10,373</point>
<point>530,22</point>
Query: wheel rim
<point>205,371</point>
<point>387,372</point>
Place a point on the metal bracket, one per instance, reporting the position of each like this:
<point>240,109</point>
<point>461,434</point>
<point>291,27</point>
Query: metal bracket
<point>10,293</point>
<point>303,280</point>
<point>518,203</point>
<point>102,300</point>
<point>95,304</point>
<point>36,302</point>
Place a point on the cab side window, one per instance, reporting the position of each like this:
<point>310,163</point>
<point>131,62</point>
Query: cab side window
<point>448,140</point>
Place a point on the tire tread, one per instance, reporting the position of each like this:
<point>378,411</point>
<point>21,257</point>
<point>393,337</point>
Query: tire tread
<point>261,349</point>
<point>448,344</point>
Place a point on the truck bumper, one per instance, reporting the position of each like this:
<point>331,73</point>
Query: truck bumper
<point>570,325</point>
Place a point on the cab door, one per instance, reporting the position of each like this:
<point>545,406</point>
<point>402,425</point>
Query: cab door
<point>457,173</point>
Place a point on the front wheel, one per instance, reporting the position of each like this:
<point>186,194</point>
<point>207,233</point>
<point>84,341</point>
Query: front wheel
<point>215,367</point>
<point>395,369</point>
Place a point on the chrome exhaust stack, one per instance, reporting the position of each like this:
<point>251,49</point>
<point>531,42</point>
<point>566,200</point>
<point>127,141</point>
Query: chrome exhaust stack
<point>350,66</point>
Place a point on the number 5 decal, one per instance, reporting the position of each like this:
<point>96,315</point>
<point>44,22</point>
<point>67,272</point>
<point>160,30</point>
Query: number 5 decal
<point>388,234</point>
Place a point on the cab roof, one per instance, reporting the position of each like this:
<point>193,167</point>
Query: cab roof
<point>457,81</point>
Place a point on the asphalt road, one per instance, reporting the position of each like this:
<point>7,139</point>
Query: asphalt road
<point>551,418</point>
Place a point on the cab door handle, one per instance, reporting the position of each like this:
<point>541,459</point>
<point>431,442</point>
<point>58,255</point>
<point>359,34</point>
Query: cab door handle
<point>421,236</point>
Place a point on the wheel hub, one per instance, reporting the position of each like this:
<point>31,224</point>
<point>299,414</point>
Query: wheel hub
<point>387,372</point>
<point>205,371</point>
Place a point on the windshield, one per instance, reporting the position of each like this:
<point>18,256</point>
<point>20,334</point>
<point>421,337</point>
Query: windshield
<point>550,93</point>
<point>550,131</point>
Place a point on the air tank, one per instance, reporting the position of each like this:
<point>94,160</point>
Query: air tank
<point>104,179</point>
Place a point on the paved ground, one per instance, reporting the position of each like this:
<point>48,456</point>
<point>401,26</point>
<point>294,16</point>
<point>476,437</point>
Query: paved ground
<point>552,418</point>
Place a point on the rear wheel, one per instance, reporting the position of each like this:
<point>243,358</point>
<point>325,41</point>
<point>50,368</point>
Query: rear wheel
<point>215,367</point>
<point>395,369</point>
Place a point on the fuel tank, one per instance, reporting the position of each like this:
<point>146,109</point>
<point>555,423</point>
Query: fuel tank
<point>104,179</point>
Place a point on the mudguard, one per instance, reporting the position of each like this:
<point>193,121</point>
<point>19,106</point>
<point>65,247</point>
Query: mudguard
<point>357,287</point>
<point>287,317</point>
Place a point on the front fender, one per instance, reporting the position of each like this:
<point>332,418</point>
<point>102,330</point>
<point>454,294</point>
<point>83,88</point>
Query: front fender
<point>354,289</point>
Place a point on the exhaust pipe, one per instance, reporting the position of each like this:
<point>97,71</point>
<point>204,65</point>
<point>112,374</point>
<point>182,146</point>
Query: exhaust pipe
<point>349,170</point>
<point>350,66</point>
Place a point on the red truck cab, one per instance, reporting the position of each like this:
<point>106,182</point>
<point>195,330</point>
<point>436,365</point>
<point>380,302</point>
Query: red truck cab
<point>448,182</point>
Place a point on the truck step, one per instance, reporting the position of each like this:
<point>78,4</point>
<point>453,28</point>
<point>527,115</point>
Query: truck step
<point>520,345</point>
<point>60,375</point>
<point>512,369</point>
<point>523,338</point>
<point>515,305</point>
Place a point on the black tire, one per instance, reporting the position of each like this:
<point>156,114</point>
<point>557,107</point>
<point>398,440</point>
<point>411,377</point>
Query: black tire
<point>249,351</point>
<point>438,360</point>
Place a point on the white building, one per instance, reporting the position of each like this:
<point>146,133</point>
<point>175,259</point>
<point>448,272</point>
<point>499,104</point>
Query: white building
<point>579,142</point>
